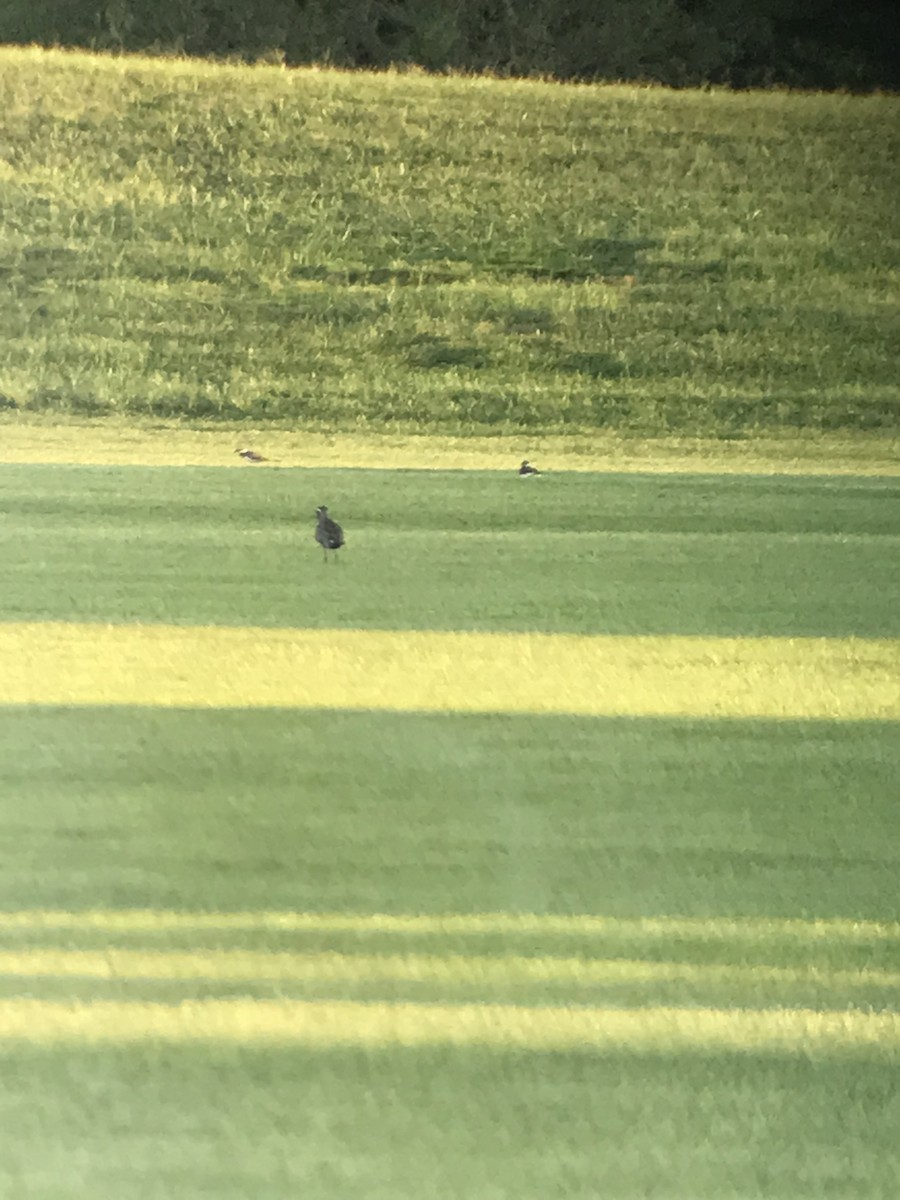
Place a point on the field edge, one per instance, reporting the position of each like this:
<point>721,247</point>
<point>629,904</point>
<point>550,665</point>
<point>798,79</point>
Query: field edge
<point>115,443</point>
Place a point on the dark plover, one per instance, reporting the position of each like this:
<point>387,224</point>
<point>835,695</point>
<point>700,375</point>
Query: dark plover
<point>251,456</point>
<point>527,469</point>
<point>329,534</point>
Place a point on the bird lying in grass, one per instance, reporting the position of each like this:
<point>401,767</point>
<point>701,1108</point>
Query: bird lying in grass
<point>329,534</point>
<point>251,456</point>
<point>527,469</point>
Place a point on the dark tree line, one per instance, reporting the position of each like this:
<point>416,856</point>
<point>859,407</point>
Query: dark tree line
<point>822,44</point>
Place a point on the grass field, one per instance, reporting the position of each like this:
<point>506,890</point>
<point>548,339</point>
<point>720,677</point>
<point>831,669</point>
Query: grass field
<point>359,252</point>
<point>544,846</point>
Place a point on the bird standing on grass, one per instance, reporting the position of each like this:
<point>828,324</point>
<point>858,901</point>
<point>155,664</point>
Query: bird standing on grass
<point>527,469</point>
<point>329,534</point>
<point>251,456</point>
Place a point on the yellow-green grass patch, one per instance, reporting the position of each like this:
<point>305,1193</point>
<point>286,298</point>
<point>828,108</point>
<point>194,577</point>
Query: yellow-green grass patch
<point>110,443</point>
<point>447,970</point>
<point>58,663</point>
<point>502,1026</point>
<point>717,929</point>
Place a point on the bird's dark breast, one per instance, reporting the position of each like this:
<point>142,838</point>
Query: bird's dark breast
<point>331,539</point>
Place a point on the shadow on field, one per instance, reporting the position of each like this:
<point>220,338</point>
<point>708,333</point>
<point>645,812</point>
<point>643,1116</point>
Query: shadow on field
<point>343,811</point>
<point>279,1121</point>
<point>591,258</point>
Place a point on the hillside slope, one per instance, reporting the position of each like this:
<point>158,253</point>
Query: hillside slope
<point>350,251</point>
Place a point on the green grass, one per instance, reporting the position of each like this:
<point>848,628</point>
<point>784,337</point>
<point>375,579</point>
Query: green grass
<point>454,550</point>
<point>45,439</point>
<point>250,812</point>
<point>270,953</point>
<point>140,1123</point>
<point>342,251</point>
<point>253,811</point>
<point>194,903</point>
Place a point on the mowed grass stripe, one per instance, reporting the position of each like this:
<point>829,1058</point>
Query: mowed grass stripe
<point>446,969</point>
<point>729,930</point>
<point>58,663</point>
<point>384,1025</point>
<point>111,444</point>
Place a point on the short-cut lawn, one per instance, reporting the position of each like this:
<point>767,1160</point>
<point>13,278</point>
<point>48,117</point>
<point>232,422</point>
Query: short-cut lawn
<point>296,951</point>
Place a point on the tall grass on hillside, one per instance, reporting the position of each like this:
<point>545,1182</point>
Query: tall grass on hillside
<point>354,251</point>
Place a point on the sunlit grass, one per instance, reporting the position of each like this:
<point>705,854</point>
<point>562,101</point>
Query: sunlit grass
<point>527,959</point>
<point>334,250</point>
<point>346,1023</point>
<point>808,933</point>
<point>107,443</point>
<point>54,663</point>
<point>449,972</point>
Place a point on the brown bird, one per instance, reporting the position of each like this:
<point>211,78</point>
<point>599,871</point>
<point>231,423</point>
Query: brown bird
<point>251,456</point>
<point>527,469</point>
<point>329,534</point>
